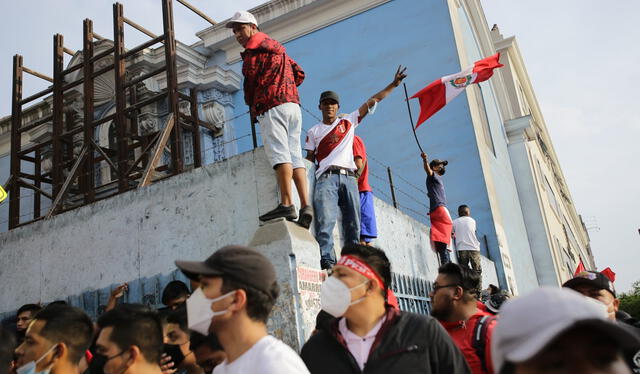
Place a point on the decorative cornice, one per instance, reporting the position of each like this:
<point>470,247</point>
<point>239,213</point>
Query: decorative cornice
<point>520,129</point>
<point>216,95</point>
<point>285,20</point>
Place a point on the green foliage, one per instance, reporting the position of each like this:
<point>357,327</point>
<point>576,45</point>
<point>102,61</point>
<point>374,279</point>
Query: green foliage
<point>630,301</point>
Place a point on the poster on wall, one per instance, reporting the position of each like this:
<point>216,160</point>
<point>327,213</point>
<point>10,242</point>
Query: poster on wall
<point>309,283</point>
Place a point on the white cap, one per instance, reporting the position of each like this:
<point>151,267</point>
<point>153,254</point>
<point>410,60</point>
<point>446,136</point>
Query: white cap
<point>242,17</point>
<point>527,324</point>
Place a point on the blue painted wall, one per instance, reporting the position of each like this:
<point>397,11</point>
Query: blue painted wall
<point>356,58</point>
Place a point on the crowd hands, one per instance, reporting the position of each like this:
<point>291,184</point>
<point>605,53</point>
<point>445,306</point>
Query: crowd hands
<point>219,324</point>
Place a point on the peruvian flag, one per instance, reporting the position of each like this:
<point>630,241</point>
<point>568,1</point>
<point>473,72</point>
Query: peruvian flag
<point>580,268</point>
<point>439,93</point>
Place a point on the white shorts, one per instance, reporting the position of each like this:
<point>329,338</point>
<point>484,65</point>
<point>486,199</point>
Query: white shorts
<point>281,127</point>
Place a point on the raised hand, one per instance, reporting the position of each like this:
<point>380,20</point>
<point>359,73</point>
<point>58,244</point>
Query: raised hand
<point>119,291</point>
<point>399,76</point>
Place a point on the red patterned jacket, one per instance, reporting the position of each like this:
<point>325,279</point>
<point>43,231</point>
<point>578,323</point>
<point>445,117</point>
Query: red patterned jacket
<point>271,77</point>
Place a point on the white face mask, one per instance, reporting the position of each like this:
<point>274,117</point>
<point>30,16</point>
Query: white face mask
<point>335,296</point>
<point>199,313</point>
<point>30,367</point>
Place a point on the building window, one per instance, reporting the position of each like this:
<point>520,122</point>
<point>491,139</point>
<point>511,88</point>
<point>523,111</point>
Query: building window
<point>552,197</point>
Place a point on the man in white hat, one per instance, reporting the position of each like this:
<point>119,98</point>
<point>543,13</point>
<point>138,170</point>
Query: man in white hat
<point>271,78</point>
<point>559,331</point>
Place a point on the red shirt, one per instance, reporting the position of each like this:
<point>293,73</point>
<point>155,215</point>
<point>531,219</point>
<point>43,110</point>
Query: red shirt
<point>271,77</point>
<point>359,150</point>
<point>461,333</point>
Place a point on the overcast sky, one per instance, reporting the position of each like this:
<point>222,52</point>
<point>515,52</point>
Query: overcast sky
<point>581,55</point>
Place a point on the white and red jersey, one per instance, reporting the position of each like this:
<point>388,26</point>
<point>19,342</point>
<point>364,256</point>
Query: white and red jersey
<point>333,144</point>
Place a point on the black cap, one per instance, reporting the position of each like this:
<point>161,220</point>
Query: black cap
<point>242,264</point>
<point>592,279</point>
<point>439,162</point>
<point>330,95</point>
<point>495,301</point>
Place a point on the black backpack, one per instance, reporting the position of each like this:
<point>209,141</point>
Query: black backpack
<point>479,342</point>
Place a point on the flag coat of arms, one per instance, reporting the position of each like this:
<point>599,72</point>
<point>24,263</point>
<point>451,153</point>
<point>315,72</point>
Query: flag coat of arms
<point>440,92</point>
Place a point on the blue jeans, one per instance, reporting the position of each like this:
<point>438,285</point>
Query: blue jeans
<point>335,191</point>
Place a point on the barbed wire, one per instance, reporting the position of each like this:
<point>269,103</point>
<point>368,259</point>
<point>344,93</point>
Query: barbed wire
<point>218,145</point>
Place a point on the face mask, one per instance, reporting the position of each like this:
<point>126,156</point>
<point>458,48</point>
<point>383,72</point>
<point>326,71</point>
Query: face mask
<point>98,361</point>
<point>97,364</point>
<point>175,352</point>
<point>335,296</point>
<point>30,367</point>
<point>199,313</point>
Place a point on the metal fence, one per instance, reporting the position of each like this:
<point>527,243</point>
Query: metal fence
<point>412,293</point>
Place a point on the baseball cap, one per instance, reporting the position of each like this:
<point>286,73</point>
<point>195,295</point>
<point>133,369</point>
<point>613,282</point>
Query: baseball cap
<point>242,17</point>
<point>591,279</point>
<point>495,301</point>
<point>243,264</point>
<point>329,95</point>
<point>439,162</point>
<point>529,323</point>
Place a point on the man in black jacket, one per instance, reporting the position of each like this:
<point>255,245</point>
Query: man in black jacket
<point>369,333</point>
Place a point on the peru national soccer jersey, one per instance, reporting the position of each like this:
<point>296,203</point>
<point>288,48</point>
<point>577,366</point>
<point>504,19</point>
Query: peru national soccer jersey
<point>333,144</point>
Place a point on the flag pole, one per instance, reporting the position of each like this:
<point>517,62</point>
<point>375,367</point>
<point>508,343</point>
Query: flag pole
<point>406,96</point>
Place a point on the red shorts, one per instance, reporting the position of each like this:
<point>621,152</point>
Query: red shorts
<point>441,225</point>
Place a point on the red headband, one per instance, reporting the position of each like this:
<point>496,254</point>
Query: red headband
<point>363,268</point>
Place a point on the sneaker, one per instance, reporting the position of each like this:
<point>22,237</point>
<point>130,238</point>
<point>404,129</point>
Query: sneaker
<point>288,212</point>
<point>306,216</point>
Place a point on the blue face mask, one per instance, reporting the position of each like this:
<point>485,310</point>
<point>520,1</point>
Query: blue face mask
<point>30,367</point>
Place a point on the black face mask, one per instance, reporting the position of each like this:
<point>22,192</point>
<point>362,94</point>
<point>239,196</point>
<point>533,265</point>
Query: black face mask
<point>97,364</point>
<point>98,361</point>
<point>175,352</point>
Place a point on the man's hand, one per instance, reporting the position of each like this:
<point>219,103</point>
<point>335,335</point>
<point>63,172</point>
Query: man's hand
<point>117,293</point>
<point>424,156</point>
<point>399,76</point>
<point>166,364</point>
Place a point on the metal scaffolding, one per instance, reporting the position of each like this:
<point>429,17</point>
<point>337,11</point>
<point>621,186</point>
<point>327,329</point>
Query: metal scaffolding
<point>134,157</point>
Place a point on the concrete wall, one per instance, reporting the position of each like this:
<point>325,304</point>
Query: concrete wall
<point>136,236</point>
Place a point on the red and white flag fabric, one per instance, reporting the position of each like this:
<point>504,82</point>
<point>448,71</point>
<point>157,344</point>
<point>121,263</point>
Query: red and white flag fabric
<point>580,268</point>
<point>439,93</point>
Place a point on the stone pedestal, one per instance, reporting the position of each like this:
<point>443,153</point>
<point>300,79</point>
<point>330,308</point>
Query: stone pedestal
<point>296,256</point>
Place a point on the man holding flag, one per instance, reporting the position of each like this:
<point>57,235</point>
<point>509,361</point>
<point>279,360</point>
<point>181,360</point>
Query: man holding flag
<point>441,224</point>
<point>330,144</point>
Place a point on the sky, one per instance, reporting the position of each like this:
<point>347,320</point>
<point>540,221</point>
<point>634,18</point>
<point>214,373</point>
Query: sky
<point>581,56</point>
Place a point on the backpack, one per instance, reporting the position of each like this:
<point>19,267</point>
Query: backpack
<point>479,342</point>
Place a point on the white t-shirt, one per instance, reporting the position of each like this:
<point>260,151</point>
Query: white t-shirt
<point>333,144</point>
<point>465,230</point>
<point>268,356</point>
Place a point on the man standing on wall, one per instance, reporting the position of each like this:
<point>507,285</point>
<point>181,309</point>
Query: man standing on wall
<point>441,224</point>
<point>368,227</point>
<point>271,78</point>
<point>466,242</point>
<point>330,143</point>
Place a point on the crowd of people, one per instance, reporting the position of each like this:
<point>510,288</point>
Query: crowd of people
<point>218,323</point>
